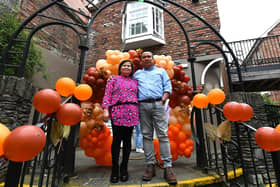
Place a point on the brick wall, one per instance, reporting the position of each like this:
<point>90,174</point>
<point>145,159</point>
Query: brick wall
<point>59,40</point>
<point>108,28</point>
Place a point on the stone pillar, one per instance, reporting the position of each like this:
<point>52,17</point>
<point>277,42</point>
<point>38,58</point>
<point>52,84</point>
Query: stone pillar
<point>15,101</point>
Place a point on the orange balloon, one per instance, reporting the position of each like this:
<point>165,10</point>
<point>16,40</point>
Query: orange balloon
<point>170,73</point>
<point>46,101</point>
<point>170,65</point>
<point>232,111</point>
<point>200,100</point>
<point>172,120</point>
<point>109,53</point>
<point>173,146</point>
<point>24,143</point>
<point>156,145</point>
<point>182,146</point>
<point>65,86</point>
<point>4,132</point>
<point>187,153</point>
<point>83,129</point>
<point>69,114</point>
<point>247,112</point>
<point>186,128</point>
<point>277,128</point>
<point>83,92</point>
<point>181,137</point>
<point>216,96</point>
<point>268,138</point>
<point>101,63</point>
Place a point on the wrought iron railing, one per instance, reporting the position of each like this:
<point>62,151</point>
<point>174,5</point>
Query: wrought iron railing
<point>240,161</point>
<point>46,169</point>
<point>259,53</point>
<point>273,114</point>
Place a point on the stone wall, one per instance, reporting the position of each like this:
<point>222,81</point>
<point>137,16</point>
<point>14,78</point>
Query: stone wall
<point>15,101</point>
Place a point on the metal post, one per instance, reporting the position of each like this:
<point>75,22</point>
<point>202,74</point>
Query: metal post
<point>276,165</point>
<point>70,145</point>
<point>13,174</point>
<point>201,160</point>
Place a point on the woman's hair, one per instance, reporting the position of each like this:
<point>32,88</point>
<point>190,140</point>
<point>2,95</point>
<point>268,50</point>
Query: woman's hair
<point>132,66</point>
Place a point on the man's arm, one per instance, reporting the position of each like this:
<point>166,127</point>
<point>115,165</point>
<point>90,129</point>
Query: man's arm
<point>165,97</point>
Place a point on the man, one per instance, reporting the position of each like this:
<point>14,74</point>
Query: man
<point>154,88</point>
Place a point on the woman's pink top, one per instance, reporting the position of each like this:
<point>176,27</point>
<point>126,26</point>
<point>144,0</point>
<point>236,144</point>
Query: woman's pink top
<point>121,100</point>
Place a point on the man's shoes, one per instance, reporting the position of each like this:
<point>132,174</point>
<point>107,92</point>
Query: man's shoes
<point>139,150</point>
<point>169,176</point>
<point>150,172</point>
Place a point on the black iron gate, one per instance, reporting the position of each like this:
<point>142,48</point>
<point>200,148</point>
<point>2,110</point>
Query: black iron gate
<point>218,155</point>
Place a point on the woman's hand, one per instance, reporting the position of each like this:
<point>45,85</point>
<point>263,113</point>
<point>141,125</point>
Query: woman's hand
<point>106,115</point>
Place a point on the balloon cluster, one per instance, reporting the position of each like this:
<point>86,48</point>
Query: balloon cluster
<point>181,91</point>
<point>179,134</point>
<point>97,79</point>
<point>135,56</point>
<point>92,128</point>
<point>27,141</point>
<point>181,97</point>
<point>267,138</point>
<point>112,61</point>
<point>97,144</point>
<point>233,111</point>
<point>165,62</point>
<point>48,101</point>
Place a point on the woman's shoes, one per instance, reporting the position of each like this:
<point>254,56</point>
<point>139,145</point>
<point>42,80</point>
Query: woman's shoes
<point>124,177</point>
<point>114,179</point>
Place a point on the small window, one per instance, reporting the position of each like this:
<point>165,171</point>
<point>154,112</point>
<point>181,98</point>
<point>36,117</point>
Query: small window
<point>143,22</point>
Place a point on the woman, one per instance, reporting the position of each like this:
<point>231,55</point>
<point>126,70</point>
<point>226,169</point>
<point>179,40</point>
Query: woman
<point>121,105</point>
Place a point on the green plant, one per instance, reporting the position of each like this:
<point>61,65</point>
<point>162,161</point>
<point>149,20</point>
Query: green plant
<point>9,22</point>
<point>267,100</point>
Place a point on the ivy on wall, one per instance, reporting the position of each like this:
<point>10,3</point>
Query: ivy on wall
<point>9,22</point>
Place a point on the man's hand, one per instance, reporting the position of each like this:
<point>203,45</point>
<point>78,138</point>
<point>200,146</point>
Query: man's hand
<point>106,115</point>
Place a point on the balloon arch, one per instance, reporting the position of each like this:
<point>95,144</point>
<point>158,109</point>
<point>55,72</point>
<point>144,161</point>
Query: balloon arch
<point>185,117</point>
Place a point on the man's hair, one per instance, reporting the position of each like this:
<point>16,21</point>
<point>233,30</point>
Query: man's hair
<point>132,66</point>
<point>147,52</point>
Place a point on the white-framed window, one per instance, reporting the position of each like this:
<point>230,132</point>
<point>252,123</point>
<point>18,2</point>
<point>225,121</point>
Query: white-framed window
<point>137,19</point>
<point>142,20</point>
<point>158,21</point>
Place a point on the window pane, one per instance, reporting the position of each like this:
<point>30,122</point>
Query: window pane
<point>137,5</point>
<point>138,14</point>
<point>138,27</point>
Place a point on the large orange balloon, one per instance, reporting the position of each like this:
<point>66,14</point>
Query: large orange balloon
<point>232,111</point>
<point>268,138</point>
<point>200,100</point>
<point>247,112</point>
<point>65,86</point>
<point>47,101</point>
<point>83,92</point>
<point>216,96</point>
<point>4,132</point>
<point>24,143</point>
<point>69,114</point>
